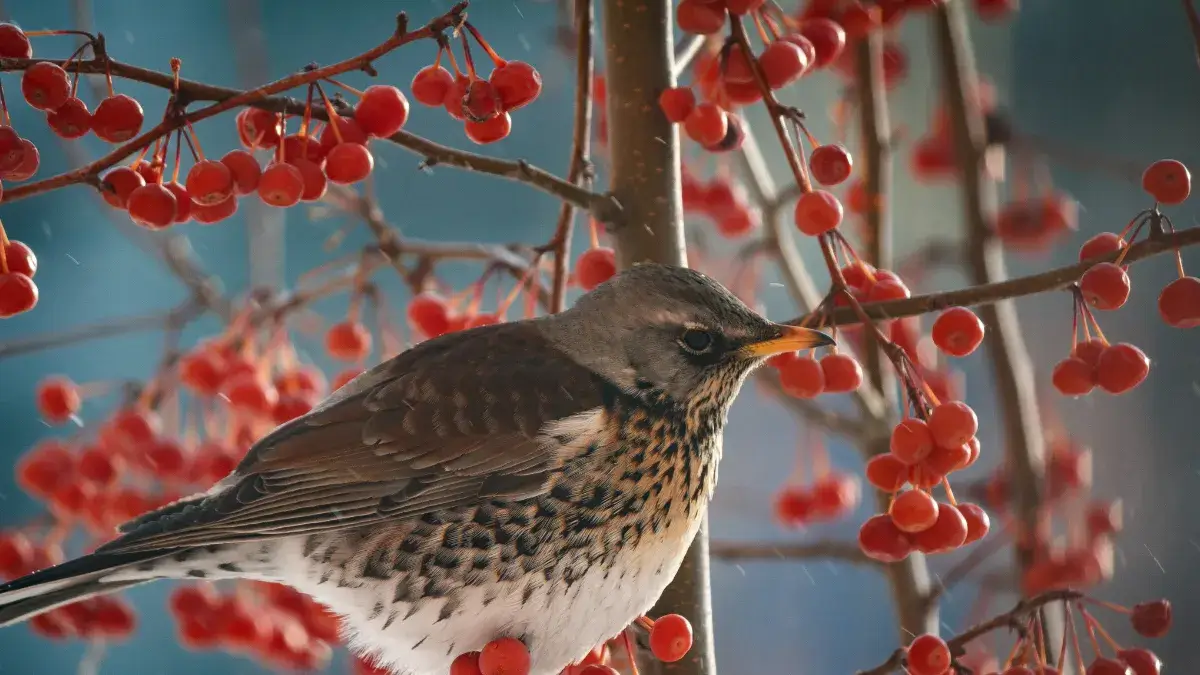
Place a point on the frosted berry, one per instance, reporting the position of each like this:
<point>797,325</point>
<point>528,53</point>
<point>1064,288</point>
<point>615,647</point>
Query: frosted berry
<point>72,119</point>
<point>46,86</point>
<point>118,118</point>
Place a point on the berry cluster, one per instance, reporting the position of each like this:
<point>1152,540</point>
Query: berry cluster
<point>670,640</point>
<point>483,104</point>
<point>18,265</point>
<point>830,496</point>
<point>722,200</point>
<point>273,623</point>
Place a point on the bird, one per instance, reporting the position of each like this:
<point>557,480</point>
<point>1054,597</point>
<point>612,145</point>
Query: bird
<point>539,479</point>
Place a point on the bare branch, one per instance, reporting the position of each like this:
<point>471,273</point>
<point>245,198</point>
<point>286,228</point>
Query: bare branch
<point>998,291</point>
<point>843,551</point>
<point>687,52</point>
<point>104,329</point>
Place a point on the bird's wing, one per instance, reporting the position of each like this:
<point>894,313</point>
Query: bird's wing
<point>484,414</point>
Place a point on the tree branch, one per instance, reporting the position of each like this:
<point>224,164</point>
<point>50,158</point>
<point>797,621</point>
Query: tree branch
<point>645,178</point>
<point>855,429</point>
<point>1010,619</point>
<point>998,291</point>
<point>687,52</point>
<point>102,329</point>
<point>1193,23</point>
<point>843,551</point>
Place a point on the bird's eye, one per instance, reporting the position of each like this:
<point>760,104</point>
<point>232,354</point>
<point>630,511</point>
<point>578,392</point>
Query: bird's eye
<point>696,340</point>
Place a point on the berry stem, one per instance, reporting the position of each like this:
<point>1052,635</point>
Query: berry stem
<point>631,651</point>
<point>762,32</point>
<point>466,46</point>
<point>4,106</point>
<point>1093,622</point>
<point>484,44</point>
<point>3,252</point>
<point>334,117</point>
<point>346,87</point>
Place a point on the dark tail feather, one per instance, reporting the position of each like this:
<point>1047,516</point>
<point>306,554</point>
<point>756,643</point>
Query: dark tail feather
<point>72,581</point>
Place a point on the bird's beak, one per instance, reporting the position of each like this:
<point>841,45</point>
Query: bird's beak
<point>787,339</point>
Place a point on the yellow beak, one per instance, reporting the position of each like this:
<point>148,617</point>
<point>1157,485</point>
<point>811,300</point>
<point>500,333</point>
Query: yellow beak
<point>789,339</point>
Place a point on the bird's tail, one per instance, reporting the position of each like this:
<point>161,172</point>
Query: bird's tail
<point>74,580</point>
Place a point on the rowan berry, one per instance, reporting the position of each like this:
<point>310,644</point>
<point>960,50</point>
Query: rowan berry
<point>489,130</point>
<point>803,378</point>
<point>670,638</point>
<point>349,163</point>
<point>1151,619</point>
<point>516,83</point>
<point>880,539</point>
<point>1103,244</point>
<point>677,103</point>
<point>1168,181</point>
<point>1105,286</point>
<point>1121,367</point>
<point>595,266</point>
<point>1179,303</point>
<point>281,185</point>
<point>70,120</point>
<point>817,212</point>
<point>957,331</point>
<point>913,511</point>
<point>827,37</point>
<point>45,85</point>
<point>830,164</point>
<point>382,110</point>
<point>117,119</point>
<point>14,44</point>
<point>911,441</point>
<point>58,399</point>
<point>152,206</point>
<point>953,424</point>
<point>699,17</point>
<point>18,294</point>
<point>783,62</point>
<point>947,533</point>
<point>245,171</point>
<point>348,341</point>
<point>430,86</point>
<point>842,373</point>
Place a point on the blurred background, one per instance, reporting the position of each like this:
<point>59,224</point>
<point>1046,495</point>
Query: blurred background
<point>1116,81</point>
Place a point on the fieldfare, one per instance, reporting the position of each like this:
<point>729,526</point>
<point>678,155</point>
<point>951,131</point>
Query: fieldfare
<point>538,479</point>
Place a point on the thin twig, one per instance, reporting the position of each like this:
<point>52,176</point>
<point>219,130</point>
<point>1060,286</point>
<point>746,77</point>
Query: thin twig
<point>103,329</point>
<point>687,52</point>
<point>580,148</point>
<point>1194,24</point>
<point>844,551</point>
<point>985,294</point>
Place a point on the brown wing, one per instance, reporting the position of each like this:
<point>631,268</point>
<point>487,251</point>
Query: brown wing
<point>451,422</point>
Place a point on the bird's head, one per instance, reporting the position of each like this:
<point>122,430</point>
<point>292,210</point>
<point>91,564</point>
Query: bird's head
<point>670,331</point>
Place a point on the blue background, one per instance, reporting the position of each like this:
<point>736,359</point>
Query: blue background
<point>1118,79</point>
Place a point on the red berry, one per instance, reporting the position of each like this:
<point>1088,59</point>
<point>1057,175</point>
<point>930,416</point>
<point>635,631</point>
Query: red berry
<point>842,373</point>
<point>1141,661</point>
<point>245,171</point>
<point>830,164</point>
<point>345,130</point>
<point>827,37</point>
<point>707,124</point>
<point>281,185</point>
<point>1105,286</point>
<point>504,656</point>
<point>12,151</point>
<point>1151,619</point>
<point>18,294</point>
<point>880,539</point>
<point>58,399</point>
<point>700,17</point>
<point>957,331</point>
<point>16,551</point>
<point>209,183</point>
<point>978,522</point>
<point>490,130</point>
<point>259,128</point>
<point>911,441</point>
<point>348,341</point>
<point>517,84</point>
<point>1168,181</point>
<point>14,44</point>
<point>28,165</point>
<point>670,638</point>
<point>1106,666</point>
<point>465,664</point>
<point>343,378</point>
<point>953,424</point>
<point>783,62</point>
<point>1179,303</point>
<point>99,466</point>
<point>886,473</point>
<point>928,655</point>
<point>677,103</point>
<point>803,378</point>
<point>45,85</point>
<point>835,494</point>
<point>288,408</point>
<point>455,96</point>
<point>1121,367</point>
<point>72,119</point>
<point>152,206</point>
<point>481,102</point>
<point>119,184</point>
<point>382,110</point>
<point>166,459</point>
<point>207,214</point>
<point>183,202</point>
<point>117,119</point>
<point>794,506</point>
<point>430,86</point>
<point>947,533</point>
<point>817,212</point>
<point>20,258</point>
<point>1103,244</point>
<point>429,314</point>
<point>1074,377</point>
<point>913,511</point>
<point>595,266</point>
<point>349,163</point>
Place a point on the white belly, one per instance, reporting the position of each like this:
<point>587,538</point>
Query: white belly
<point>559,623</point>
